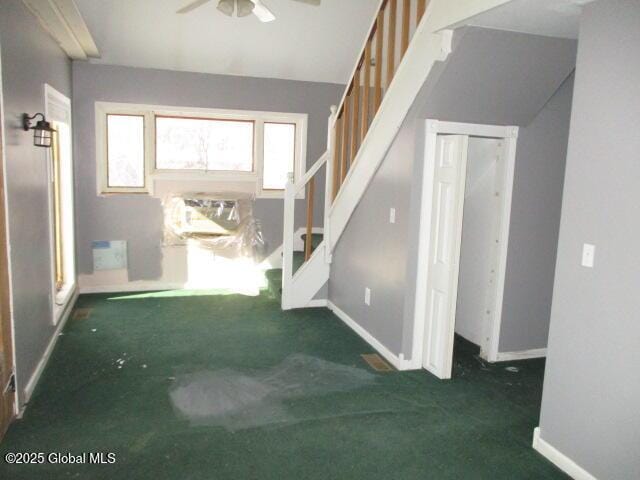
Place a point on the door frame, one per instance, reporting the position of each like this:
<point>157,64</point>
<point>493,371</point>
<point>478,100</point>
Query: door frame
<point>6,297</point>
<point>423,327</point>
<point>60,302</point>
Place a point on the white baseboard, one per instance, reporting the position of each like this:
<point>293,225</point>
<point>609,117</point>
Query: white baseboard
<point>559,459</point>
<point>397,361</point>
<point>131,287</point>
<point>521,355</point>
<point>37,373</point>
<point>320,302</point>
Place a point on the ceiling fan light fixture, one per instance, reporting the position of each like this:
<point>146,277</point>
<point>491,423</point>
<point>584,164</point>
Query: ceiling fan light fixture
<point>227,7</point>
<point>244,7</point>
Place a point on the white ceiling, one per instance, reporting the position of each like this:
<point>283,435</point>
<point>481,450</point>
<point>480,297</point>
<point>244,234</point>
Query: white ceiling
<point>551,18</point>
<point>303,43</point>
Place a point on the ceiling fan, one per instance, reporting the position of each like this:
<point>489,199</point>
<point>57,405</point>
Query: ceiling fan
<point>242,8</point>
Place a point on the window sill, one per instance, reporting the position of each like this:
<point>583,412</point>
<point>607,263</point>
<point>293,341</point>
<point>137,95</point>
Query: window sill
<point>204,176</point>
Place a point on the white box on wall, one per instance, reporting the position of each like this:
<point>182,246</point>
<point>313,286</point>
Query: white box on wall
<point>109,254</point>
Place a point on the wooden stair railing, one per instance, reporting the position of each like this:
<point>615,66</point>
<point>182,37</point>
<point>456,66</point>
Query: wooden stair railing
<point>382,52</point>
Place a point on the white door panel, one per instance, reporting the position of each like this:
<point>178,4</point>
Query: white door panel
<point>444,257</point>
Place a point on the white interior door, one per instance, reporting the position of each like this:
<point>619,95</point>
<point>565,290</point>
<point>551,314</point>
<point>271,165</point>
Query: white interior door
<point>444,251</point>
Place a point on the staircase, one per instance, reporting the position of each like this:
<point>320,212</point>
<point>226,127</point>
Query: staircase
<point>274,276</point>
<point>406,39</point>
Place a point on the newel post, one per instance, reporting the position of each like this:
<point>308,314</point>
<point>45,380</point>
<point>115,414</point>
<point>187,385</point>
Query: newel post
<point>329,172</point>
<point>287,240</point>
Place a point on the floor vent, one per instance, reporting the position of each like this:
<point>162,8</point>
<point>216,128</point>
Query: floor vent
<point>376,362</point>
<point>81,313</point>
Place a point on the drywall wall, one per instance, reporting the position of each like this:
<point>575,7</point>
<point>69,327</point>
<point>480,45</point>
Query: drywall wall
<point>30,58</point>
<point>102,218</point>
<point>535,222</point>
<point>478,227</point>
<point>376,254</point>
<point>500,77</point>
<point>590,408</point>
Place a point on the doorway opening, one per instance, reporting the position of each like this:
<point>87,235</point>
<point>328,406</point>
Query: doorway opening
<point>466,207</point>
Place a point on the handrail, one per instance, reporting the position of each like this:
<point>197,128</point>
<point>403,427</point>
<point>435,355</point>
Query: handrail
<point>300,184</point>
<point>372,28</point>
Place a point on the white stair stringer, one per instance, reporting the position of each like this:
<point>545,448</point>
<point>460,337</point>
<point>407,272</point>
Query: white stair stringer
<point>307,281</point>
<point>429,45</point>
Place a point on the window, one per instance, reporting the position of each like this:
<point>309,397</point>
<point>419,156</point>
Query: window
<point>204,144</point>
<point>279,154</point>
<point>125,151</point>
<point>141,146</point>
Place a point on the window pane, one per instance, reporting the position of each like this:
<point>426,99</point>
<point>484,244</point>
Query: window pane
<point>204,144</point>
<point>125,144</point>
<point>279,154</point>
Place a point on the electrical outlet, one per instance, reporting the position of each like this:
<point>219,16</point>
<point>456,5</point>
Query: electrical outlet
<point>392,215</point>
<point>367,296</point>
<point>588,255</point>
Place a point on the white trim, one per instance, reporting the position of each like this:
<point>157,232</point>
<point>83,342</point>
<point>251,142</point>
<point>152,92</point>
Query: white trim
<point>60,300</point>
<point>559,459</point>
<point>132,287</point>
<point>504,224</point>
<point>253,179</point>
<point>397,361</point>
<point>521,355</point>
<point>8,239</point>
<point>62,20</point>
<point>37,373</point>
<point>433,128</point>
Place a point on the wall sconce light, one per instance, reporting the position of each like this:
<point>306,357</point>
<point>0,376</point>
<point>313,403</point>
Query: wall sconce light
<point>42,130</point>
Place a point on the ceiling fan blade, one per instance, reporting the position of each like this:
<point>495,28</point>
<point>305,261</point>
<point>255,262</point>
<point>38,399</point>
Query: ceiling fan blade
<point>244,7</point>
<point>227,7</point>
<point>310,2</point>
<point>262,12</point>
<point>192,6</point>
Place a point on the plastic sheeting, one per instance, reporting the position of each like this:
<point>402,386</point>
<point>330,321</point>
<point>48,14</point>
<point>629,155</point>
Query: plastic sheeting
<point>239,400</point>
<point>223,223</point>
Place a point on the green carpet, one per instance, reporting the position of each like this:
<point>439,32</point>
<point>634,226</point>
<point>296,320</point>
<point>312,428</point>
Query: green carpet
<point>389,426</point>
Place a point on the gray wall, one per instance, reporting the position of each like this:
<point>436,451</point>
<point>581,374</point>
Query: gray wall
<point>590,406</point>
<point>372,252</point>
<point>138,219</point>
<point>30,58</point>
<point>535,221</point>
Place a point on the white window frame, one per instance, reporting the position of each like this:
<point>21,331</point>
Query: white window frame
<point>225,178</point>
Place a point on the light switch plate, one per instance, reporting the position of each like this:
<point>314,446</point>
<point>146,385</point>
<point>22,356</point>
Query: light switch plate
<point>588,255</point>
<point>392,215</point>
<point>367,296</point>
